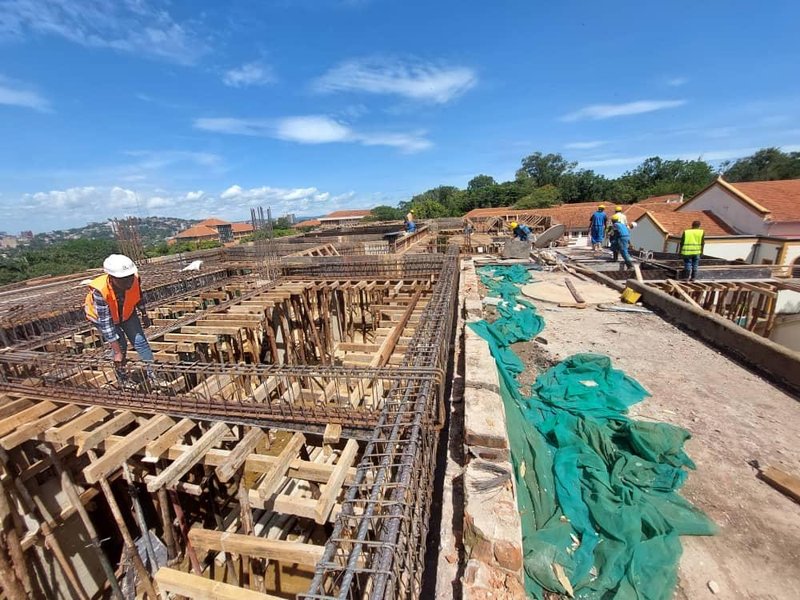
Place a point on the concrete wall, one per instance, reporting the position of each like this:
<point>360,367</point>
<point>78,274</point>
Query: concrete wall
<point>787,302</point>
<point>766,250</point>
<point>730,209</point>
<point>786,331</point>
<point>646,236</point>
<point>728,249</point>
<point>492,534</point>
<point>785,229</point>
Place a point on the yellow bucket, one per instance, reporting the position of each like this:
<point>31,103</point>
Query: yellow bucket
<point>629,296</point>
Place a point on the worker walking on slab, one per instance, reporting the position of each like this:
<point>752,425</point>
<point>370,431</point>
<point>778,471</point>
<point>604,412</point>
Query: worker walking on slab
<point>410,223</point>
<point>112,304</point>
<point>622,236</point>
<point>597,227</point>
<point>520,232</point>
<point>692,244</point>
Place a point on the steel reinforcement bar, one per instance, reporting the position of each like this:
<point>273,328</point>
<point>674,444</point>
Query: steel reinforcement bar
<point>377,547</point>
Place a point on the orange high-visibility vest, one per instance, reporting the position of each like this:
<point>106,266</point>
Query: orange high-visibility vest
<point>103,284</point>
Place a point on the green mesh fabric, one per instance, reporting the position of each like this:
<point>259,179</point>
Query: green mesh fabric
<point>597,490</point>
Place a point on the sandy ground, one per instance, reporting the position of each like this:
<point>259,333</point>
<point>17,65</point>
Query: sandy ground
<point>735,417</point>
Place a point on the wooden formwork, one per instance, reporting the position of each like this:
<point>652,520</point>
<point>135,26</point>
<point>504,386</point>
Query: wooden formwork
<point>244,506</point>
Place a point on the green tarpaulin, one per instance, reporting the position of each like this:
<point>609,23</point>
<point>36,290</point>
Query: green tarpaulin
<point>597,490</point>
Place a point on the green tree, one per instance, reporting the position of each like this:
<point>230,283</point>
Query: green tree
<point>584,186</point>
<point>542,197</point>
<point>768,164</point>
<point>429,209</point>
<point>479,182</point>
<point>656,176</point>
<point>545,169</point>
<point>386,213</point>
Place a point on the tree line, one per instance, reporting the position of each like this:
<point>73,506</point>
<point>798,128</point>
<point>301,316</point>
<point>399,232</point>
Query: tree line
<point>545,180</point>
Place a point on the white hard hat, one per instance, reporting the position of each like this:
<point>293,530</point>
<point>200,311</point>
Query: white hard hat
<point>119,265</point>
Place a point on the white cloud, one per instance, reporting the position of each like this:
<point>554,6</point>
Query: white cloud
<point>13,94</point>
<point>585,145</point>
<point>677,81</point>
<point>192,196</point>
<point>314,129</point>
<point>254,73</point>
<point>411,79</point>
<point>158,159</point>
<point>140,27</point>
<point>607,111</point>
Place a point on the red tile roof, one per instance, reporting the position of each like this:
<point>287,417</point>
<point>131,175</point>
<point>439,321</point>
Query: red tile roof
<point>674,223</point>
<point>213,222</point>
<point>307,223</point>
<point>781,198</point>
<point>668,198</point>
<point>635,211</point>
<point>242,227</point>
<point>198,231</point>
<point>346,214</point>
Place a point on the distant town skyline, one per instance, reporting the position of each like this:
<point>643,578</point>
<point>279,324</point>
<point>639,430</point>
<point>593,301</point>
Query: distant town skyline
<point>208,108</point>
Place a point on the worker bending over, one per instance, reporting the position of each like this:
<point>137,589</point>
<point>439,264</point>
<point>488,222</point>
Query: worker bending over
<point>597,227</point>
<point>622,236</point>
<point>622,216</point>
<point>112,304</point>
<point>693,242</point>
<point>520,231</point>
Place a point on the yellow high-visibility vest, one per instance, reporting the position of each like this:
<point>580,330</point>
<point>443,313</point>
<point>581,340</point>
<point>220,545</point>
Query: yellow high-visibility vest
<point>692,242</point>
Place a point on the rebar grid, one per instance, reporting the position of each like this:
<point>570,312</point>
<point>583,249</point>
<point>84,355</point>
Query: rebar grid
<point>377,547</point>
<point>386,266</point>
<point>60,312</point>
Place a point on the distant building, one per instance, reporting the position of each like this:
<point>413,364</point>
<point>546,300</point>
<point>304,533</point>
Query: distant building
<point>308,223</point>
<point>26,235</point>
<point>343,218</point>
<point>8,241</point>
<point>214,229</point>
<point>290,218</point>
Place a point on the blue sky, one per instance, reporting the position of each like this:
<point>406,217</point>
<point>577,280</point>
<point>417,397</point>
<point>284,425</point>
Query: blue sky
<point>199,108</point>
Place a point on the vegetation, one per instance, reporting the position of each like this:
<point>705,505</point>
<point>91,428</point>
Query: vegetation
<point>163,248</point>
<point>60,259</point>
<point>547,179</point>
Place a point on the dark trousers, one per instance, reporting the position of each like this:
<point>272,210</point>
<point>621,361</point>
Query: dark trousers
<point>690,266</point>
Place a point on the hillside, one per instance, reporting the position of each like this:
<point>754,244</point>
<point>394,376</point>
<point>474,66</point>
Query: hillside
<point>153,230</point>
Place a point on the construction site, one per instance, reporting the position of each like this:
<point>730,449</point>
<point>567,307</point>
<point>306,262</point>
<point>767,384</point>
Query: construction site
<point>359,413</point>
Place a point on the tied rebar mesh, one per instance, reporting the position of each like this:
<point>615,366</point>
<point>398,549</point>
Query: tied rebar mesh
<point>377,547</point>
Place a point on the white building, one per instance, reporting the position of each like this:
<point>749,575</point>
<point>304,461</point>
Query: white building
<point>757,222</point>
<point>343,218</point>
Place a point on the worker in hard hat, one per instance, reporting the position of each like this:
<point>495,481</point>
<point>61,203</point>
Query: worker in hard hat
<point>411,224</point>
<point>112,304</point>
<point>622,237</point>
<point>520,231</point>
<point>622,216</point>
<point>597,227</point>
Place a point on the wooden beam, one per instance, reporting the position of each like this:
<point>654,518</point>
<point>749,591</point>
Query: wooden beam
<point>32,430</point>
<point>87,441</point>
<point>239,454</point>
<point>257,547</point>
<point>328,497</point>
<point>134,442</point>
<point>782,481</point>
<point>162,443</point>
<point>13,407</point>
<point>333,431</point>
<point>200,588</point>
<point>177,469</point>
<point>387,347</point>
<point>67,431</point>
<point>683,294</point>
<point>272,481</point>
<point>11,423</point>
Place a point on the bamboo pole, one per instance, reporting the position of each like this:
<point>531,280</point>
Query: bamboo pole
<point>13,574</point>
<point>176,506</point>
<point>166,524</point>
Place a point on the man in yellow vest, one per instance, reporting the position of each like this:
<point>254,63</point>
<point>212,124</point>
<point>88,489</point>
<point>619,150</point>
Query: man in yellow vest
<point>112,304</point>
<point>692,243</point>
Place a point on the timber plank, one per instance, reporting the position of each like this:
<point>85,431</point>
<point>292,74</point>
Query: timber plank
<point>258,547</point>
<point>269,485</point>
<point>134,442</point>
<point>158,446</point>
<point>239,454</point>
<point>328,497</point>
<point>63,433</point>
<point>10,423</point>
<point>180,467</point>
<point>783,482</point>
<point>87,441</point>
<point>200,588</point>
<point>33,429</point>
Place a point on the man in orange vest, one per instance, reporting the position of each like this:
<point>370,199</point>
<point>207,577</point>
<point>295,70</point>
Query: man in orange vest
<point>112,304</point>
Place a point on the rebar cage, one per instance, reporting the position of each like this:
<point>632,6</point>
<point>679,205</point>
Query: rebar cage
<point>377,547</point>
